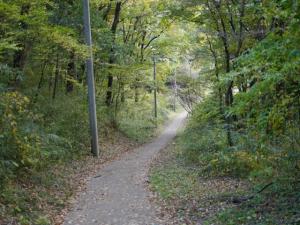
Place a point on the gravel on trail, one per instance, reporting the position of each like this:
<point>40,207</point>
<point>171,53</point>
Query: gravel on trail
<point>118,195</point>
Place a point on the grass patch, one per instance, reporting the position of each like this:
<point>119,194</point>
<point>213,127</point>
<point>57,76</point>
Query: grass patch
<point>190,197</point>
<point>272,207</point>
<point>173,182</point>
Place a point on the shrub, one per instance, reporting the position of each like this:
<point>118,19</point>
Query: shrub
<point>19,140</point>
<point>137,119</point>
<point>65,126</point>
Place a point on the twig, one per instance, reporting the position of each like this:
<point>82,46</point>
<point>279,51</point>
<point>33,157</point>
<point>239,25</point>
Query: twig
<point>244,199</point>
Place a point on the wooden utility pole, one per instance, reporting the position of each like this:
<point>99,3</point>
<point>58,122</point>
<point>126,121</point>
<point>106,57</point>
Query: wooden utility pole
<point>155,89</point>
<point>175,89</point>
<point>90,78</point>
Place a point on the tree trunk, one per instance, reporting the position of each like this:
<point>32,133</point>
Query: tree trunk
<point>71,74</point>
<point>56,77</point>
<point>214,54</point>
<point>228,94</point>
<point>41,81</point>
<point>112,59</point>
<point>20,56</point>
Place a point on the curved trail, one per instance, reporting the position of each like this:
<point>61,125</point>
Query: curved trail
<point>119,196</point>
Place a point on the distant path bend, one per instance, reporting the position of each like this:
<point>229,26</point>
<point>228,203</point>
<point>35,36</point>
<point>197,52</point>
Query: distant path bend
<point>119,195</point>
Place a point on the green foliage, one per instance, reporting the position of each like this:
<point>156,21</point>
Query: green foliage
<point>43,93</point>
<point>138,123</point>
<point>247,127</point>
<point>19,139</point>
<point>203,136</point>
<point>66,127</point>
<point>262,121</point>
<point>42,82</point>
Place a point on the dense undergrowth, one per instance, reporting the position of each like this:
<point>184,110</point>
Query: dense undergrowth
<point>44,146</point>
<point>248,128</point>
<point>203,180</point>
<point>259,162</point>
<point>44,123</point>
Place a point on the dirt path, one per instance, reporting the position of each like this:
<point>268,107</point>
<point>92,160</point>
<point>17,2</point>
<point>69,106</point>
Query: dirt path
<point>119,196</point>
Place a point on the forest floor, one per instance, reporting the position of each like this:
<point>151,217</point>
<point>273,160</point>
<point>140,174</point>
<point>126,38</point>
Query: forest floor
<point>185,194</point>
<point>118,194</point>
<point>44,196</point>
